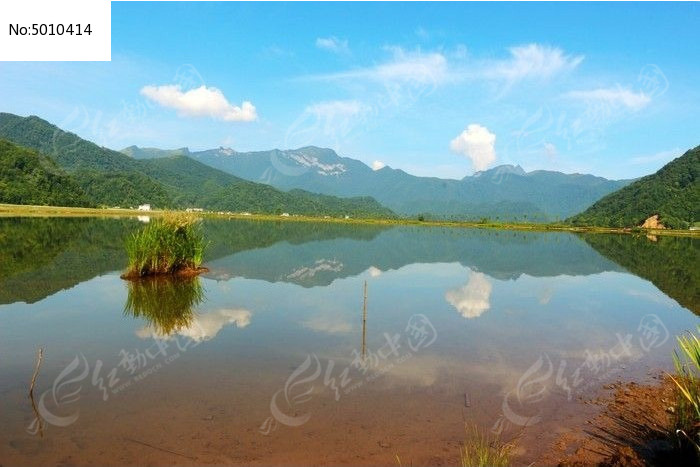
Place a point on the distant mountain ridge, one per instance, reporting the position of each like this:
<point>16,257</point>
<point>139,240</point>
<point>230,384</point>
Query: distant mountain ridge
<point>112,178</point>
<point>153,153</point>
<point>505,192</point>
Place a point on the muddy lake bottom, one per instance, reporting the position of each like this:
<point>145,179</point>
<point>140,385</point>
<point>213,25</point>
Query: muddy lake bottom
<point>264,359</point>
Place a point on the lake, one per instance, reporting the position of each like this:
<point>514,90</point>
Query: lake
<point>269,357</point>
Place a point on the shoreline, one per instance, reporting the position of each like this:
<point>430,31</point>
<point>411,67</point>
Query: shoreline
<point>18,210</point>
<point>632,428</point>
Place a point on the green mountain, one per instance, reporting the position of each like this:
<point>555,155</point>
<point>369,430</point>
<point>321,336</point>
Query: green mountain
<point>672,193</point>
<point>28,177</point>
<point>112,178</point>
<point>193,184</point>
<point>505,192</point>
<point>108,177</point>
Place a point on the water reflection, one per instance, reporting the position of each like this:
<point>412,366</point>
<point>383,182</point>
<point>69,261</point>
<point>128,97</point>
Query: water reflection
<point>670,263</point>
<point>472,299</point>
<point>167,304</point>
<point>201,327</point>
<point>42,256</point>
<point>280,292</point>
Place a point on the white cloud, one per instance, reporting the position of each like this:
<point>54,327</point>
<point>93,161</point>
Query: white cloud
<point>333,44</point>
<point>614,97</point>
<point>404,67</point>
<point>472,299</point>
<point>374,271</point>
<point>203,327</point>
<point>476,142</point>
<point>200,102</point>
<point>531,61</point>
<point>376,165</point>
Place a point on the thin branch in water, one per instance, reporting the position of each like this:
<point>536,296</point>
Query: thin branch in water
<point>38,420</point>
<point>39,359</point>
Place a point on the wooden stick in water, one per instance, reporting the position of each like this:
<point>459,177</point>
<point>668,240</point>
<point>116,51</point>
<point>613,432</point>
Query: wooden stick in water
<point>40,357</point>
<point>364,323</point>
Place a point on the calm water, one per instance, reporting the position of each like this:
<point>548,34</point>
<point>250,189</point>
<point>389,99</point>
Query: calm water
<point>262,360</point>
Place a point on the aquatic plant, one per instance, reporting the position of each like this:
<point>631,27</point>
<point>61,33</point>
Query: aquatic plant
<point>481,450</point>
<point>173,244</point>
<point>687,379</point>
<point>166,303</point>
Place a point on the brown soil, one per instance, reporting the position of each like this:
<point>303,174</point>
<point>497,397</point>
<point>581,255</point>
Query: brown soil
<point>180,273</point>
<point>631,431</point>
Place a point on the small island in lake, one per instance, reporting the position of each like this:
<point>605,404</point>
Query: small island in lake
<point>172,246</point>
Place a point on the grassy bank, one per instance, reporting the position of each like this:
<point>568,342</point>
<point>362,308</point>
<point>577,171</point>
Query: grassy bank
<point>10,210</point>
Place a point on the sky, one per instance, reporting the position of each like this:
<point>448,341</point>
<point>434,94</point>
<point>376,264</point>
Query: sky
<point>435,89</point>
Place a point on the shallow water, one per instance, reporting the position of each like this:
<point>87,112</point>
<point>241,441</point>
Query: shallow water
<point>261,360</point>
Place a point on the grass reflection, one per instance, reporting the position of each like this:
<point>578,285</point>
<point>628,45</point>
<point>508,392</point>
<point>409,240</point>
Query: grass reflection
<point>166,303</point>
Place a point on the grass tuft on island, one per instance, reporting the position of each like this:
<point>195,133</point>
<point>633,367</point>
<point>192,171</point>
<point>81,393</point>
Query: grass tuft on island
<point>171,245</point>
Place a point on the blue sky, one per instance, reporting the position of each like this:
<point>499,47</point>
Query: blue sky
<point>433,89</point>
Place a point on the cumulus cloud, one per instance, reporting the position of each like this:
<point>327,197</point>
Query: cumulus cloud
<point>615,97</point>
<point>376,165</point>
<point>203,327</point>
<point>374,271</point>
<point>200,102</point>
<point>476,142</point>
<point>472,299</point>
<point>333,44</point>
<point>531,61</point>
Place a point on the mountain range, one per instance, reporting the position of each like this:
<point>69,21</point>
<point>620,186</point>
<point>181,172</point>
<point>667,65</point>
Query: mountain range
<point>110,178</point>
<point>505,192</point>
<point>43,164</point>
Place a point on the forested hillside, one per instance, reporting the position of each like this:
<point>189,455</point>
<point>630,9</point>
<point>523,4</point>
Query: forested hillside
<point>104,177</point>
<point>28,177</point>
<point>672,193</point>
